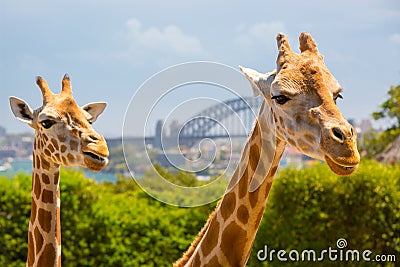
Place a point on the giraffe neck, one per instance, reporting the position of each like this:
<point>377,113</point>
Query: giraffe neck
<point>229,233</point>
<point>44,237</point>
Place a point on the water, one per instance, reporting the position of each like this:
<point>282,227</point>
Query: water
<point>25,166</point>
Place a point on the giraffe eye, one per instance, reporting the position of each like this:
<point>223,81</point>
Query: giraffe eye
<point>47,123</point>
<point>338,96</point>
<point>281,99</point>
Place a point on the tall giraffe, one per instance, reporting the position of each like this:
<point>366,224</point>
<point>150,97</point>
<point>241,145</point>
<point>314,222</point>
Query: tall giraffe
<point>298,109</point>
<point>63,136</point>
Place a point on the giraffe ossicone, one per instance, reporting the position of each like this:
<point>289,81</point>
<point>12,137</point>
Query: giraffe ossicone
<point>64,136</point>
<point>298,109</point>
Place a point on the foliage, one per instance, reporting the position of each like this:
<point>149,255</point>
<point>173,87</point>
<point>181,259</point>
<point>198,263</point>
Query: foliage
<point>15,199</point>
<point>373,142</point>
<point>168,191</point>
<point>312,208</point>
<point>391,107</point>
<point>117,159</point>
<point>103,224</point>
<point>117,224</point>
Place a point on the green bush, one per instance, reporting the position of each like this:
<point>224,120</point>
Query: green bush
<point>312,208</point>
<point>15,204</point>
<point>106,224</point>
<point>103,224</point>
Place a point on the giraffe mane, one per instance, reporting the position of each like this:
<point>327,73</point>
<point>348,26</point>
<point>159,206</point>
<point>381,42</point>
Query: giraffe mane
<point>188,254</point>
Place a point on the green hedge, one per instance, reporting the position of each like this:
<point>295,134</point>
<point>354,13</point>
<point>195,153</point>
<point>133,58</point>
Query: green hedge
<point>312,208</point>
<point>119,225</point>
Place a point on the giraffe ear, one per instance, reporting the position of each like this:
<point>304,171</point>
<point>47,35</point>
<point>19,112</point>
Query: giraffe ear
<point>22,111</point>
<point>260,83</point>
<point>93,110</point>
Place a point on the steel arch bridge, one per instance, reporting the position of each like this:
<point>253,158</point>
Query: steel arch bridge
<point>231,118</point>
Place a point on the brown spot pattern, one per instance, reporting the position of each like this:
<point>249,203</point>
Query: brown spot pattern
<point>37,162</point>
<point>309,137</point>
<point>213,262</point>
<point>48,256</point>
<point>45,178</point>
<point>47,196</point>
<point>229,204</point>
<point>63,148</point>
<point>254,156</point>
<point>33,211</point>
<point>243,185</point>
<point>243,214</point>
<point>269,185</point>
<point>51,148</point>
<point>31,252</point>
<point>70,157</point>
<point>210,243</point>
<point>73,145</point>
<point>290,131</point>
<point>46,165</point>
<point>56,177</point>
<point>55,143</point>
<point>38,240</point>
<point>37,187</point>
<point>47,152</point>
<point>281,120</point>
<point>253,197</point>
<point>291,141</point>
<point>233,238</point>
<point>273,170</point>
<point>196,260</point>
<point>45,218</point>
<point>61,138</point>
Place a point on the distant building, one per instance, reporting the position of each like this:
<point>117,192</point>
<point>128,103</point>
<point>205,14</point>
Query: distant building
<point>174,129</point>
<point>170,160</point>
<point>3,131</point>
<point>158,137</point>
<point>7,153</point>
<point>365,126</point>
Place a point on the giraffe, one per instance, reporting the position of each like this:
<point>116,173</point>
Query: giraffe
<point>63,136</point>
<point>299,108</point>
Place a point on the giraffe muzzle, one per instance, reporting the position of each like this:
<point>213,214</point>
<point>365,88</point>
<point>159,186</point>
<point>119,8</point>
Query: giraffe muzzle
<point>95,161</point>
<point>340,169</point>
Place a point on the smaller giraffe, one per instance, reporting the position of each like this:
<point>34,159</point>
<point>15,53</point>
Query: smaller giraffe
<point>63,136</point>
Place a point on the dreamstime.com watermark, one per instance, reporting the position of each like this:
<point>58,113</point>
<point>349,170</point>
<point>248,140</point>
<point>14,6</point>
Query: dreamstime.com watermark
<point>338,254</point>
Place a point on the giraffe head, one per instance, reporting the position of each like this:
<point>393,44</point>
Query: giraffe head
<point>64,134</point>
<point>301,93</point>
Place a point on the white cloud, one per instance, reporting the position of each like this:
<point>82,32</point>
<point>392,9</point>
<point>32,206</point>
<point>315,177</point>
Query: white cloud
<point>259,33</point>
<point>168,38</point>
<point>395,38</point>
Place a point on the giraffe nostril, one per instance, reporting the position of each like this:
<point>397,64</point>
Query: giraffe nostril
<point>338,134</point>
<point>93,138</point>
<point>352,131</point>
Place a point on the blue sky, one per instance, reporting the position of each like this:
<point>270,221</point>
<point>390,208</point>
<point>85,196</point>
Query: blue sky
<point>109,48</point>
